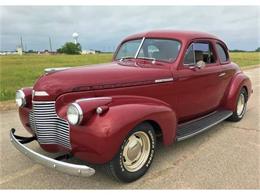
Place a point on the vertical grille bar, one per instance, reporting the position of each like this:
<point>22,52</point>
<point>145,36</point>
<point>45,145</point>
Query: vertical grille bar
<point>48,127</point>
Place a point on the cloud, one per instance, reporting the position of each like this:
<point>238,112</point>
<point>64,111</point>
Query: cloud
<point>103,27</point>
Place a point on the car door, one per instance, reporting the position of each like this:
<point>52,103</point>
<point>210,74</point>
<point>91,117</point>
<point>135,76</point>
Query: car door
<point>199,89</point>
<point>228,69</point>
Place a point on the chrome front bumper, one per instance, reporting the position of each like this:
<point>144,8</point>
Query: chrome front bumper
<point>71,169</point>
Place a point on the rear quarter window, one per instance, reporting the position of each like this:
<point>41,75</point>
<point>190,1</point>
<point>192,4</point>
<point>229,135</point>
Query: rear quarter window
<point>222,53</point>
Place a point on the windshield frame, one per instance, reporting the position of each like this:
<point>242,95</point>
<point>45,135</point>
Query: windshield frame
<point>141,44</point>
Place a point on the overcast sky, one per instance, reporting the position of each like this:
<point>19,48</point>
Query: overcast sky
<point>103,28</point>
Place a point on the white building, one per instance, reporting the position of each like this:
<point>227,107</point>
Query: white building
<point>85,52</point>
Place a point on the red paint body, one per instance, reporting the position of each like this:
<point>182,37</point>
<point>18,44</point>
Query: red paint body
<point>136,97</point>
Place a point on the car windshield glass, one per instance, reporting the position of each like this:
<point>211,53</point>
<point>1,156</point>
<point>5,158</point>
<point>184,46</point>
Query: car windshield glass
<point>150,49</point>
<point>128,49</point>
<point>159,49</point>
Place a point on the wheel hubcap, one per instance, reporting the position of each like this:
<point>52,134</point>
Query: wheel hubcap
<point>136,151</point>
<point>241,105</point>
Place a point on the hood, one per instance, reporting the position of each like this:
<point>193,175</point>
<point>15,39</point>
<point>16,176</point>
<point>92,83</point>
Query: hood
<point>94,77</point>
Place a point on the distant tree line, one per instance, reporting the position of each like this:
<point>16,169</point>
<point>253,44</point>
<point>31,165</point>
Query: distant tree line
<point>238,50</point>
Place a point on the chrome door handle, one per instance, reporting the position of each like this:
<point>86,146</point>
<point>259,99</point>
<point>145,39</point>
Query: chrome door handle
<point>222,74</point>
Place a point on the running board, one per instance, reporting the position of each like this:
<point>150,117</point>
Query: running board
<point>194,127</point>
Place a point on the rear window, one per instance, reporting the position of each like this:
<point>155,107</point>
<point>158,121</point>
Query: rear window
<point>222,53</point>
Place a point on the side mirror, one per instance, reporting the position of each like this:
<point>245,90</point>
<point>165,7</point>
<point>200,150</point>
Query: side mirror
<point>200,64</point>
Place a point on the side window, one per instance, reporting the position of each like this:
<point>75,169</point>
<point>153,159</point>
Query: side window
<point>222,53</point>
<point>189,58</point>
<point>199,52</point>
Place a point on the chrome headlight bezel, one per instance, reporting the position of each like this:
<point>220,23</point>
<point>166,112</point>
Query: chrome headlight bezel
<point>74,114</point>
<point>20,98</point>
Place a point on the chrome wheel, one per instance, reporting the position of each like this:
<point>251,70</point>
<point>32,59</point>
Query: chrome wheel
<point>241,105</point>
<point>136,151</point>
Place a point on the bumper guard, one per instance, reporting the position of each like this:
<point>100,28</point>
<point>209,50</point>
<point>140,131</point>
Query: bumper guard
<point>69,168</point>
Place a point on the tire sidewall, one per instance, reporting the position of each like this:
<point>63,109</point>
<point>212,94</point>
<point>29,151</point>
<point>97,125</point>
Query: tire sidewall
<point>120,171</point>
<point>242,91</point>
<point>235,117</point>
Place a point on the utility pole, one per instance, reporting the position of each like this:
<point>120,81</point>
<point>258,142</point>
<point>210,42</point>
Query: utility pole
<point>50,44</point>
<point>21,39</point>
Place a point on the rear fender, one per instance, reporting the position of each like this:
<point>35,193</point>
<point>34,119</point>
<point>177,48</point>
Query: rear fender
<point>239,81</point>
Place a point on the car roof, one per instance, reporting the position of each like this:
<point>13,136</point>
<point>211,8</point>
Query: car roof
<point>172,34</point>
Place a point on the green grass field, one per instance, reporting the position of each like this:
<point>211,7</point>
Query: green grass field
<point>21,71</point>
<point>244,59</point>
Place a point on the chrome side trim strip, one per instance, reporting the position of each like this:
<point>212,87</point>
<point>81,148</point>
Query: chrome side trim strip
<point>40,93</point>
<point>203,129</point>
<point>163,80</point>
<point>222,74</point>
<point>69,168</point>
<point>92,99</point>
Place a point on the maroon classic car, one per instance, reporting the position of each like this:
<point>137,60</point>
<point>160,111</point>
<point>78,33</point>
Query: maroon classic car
<point>161,86</point>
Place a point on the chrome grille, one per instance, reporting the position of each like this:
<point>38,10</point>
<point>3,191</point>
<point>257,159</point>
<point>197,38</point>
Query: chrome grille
<point>48,127</point>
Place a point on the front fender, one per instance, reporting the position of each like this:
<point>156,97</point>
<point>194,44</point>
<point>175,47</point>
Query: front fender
<point>99,140</point>
<point>240,80</point>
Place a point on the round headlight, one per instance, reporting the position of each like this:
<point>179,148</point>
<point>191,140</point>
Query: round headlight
<point>74,114</point>
<point>20,98</point>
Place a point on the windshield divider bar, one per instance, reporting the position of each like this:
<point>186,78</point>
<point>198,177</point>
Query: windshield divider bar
<point>139,48</point>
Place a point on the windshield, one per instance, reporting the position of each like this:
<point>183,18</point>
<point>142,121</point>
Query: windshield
<point>128,49</point>
<point>155,49</point>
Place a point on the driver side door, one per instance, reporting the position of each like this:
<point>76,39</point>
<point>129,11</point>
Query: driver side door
<point>199,89</point>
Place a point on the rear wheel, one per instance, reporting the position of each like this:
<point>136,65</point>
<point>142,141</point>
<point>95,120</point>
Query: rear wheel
<point>240,106</point>
<point>135,155</point>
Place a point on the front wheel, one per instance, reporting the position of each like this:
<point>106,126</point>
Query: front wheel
<point>241,106</point>
<point>135,155</point>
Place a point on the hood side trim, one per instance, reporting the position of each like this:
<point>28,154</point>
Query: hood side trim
<point>118,85</point>
<point>163,80</point>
